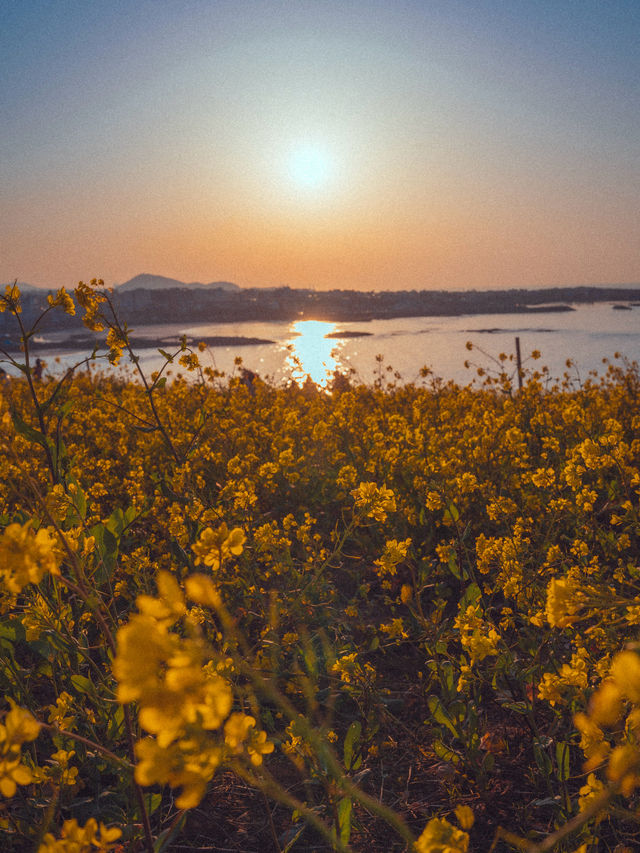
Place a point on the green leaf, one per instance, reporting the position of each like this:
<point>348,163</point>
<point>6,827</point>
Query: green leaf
<point>165,839</point>
<point>82,684</point>
<point>562,761</point>
<point>351,740</point>
<point>451,514</point>
<point>32,435</point>
<point>118,521</point>
<point>344,819</point>
<point>166,356</point>
<point>116,722</point>
<point>540,754</point>
<point>452,563</point>
<point>440,715</point>
<point>516,707</point>
<point>107,547</point>
<point>79,500</point>
<point>155,801</point>
<point>7,632</point>
<point>471,595</point>
<point>310,660</point>
<point>445,753</point>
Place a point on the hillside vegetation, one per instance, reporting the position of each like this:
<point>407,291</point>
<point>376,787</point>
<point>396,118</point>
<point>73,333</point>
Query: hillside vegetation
<point>245,617</point>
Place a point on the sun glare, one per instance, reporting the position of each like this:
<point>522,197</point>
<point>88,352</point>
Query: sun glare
<point>309,167</point>
<point>311,353</point>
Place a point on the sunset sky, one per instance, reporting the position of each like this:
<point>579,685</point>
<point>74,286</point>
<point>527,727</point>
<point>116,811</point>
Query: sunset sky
<point>352,144</point>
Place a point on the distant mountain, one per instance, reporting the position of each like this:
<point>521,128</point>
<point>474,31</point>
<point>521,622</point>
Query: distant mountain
<point>23,287</point>
<point>161,282</point>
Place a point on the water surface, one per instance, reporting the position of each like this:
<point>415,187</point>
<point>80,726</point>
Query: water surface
<point>586,335</point>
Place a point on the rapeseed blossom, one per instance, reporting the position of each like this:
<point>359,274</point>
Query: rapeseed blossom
<point>215,546</point>
<point>183,704</point>
<point>563,602</point>
<point>374,501</point>
<point>439,836</point>
<point>64,300</point>
<point>90,838</point>
<point>19,727</point>
<point>26,555</point>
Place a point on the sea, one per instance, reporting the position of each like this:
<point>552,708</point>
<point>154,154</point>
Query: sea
<point>576,343</point>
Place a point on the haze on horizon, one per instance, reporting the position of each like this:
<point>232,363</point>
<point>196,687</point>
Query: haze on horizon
<point>443,144</point>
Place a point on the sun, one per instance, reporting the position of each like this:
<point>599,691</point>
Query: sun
<point>309,167</point>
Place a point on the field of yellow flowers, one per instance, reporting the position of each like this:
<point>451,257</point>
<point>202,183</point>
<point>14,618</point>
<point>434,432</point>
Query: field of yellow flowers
<point>244,617</point>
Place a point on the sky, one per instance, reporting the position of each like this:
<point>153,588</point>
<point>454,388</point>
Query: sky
<point>353,144</point>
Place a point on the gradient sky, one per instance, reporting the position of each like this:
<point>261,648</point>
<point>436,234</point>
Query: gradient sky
<point>351,144</point>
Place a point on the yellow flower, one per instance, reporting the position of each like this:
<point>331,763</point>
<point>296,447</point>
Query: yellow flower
<point>592,741</point>
<point>406,593</point>
<point>11,299</point>
<point>605,708</point>
<point>143,645</point>
<point>625,672</point>
<point>563,602</point>
<point>589,792</point>
<point>190,361</point>
<point>81,839</point>
<point>186,764</point>
<point>213,547</point>
<point>63,299</point>
<point>394,553</point>
<point>19,727</point>
<point>375,501</point>
<point>236,730</point>
<point>623,766</point>
<point>26,556</point>
<point>58,713</point>
<point>476,636</point>
<point>440,836</point>
<point>116,342</point>
<point>200,588</point>
<point>169,606</point>
<point>90,299</point>
<point>465,816</point>
<point>259,746</point>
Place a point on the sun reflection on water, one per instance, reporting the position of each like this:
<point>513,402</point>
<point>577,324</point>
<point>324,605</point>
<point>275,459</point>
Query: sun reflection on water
<point>311,353</point>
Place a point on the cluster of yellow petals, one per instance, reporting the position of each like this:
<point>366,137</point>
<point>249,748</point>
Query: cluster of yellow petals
<point>215,546</point>
<point>617,699</point>
<point>90,838</point>
<point>183,703</point>
<point>90,298</point>
<point>116,342</point>
<point>554,686</point>
<point>374,501</point>
<point>64,300</point>
<point>479,639</point>
<point>394,553</point>
<point>19,727</point>
<point>10,299</point>
<point>27,555</point>
<point>564,600</point>
<point>440,836</point>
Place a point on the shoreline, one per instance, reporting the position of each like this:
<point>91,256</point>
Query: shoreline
<point>89,343</point>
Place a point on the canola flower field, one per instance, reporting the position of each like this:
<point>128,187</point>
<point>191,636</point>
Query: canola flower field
<point>243,617</point>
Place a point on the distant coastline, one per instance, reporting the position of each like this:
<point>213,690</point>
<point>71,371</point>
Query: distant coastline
<point>88,343</point>
<point>143,306</point>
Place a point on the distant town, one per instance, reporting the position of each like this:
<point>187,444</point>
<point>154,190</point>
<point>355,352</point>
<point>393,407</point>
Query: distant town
<point>154,300</point>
